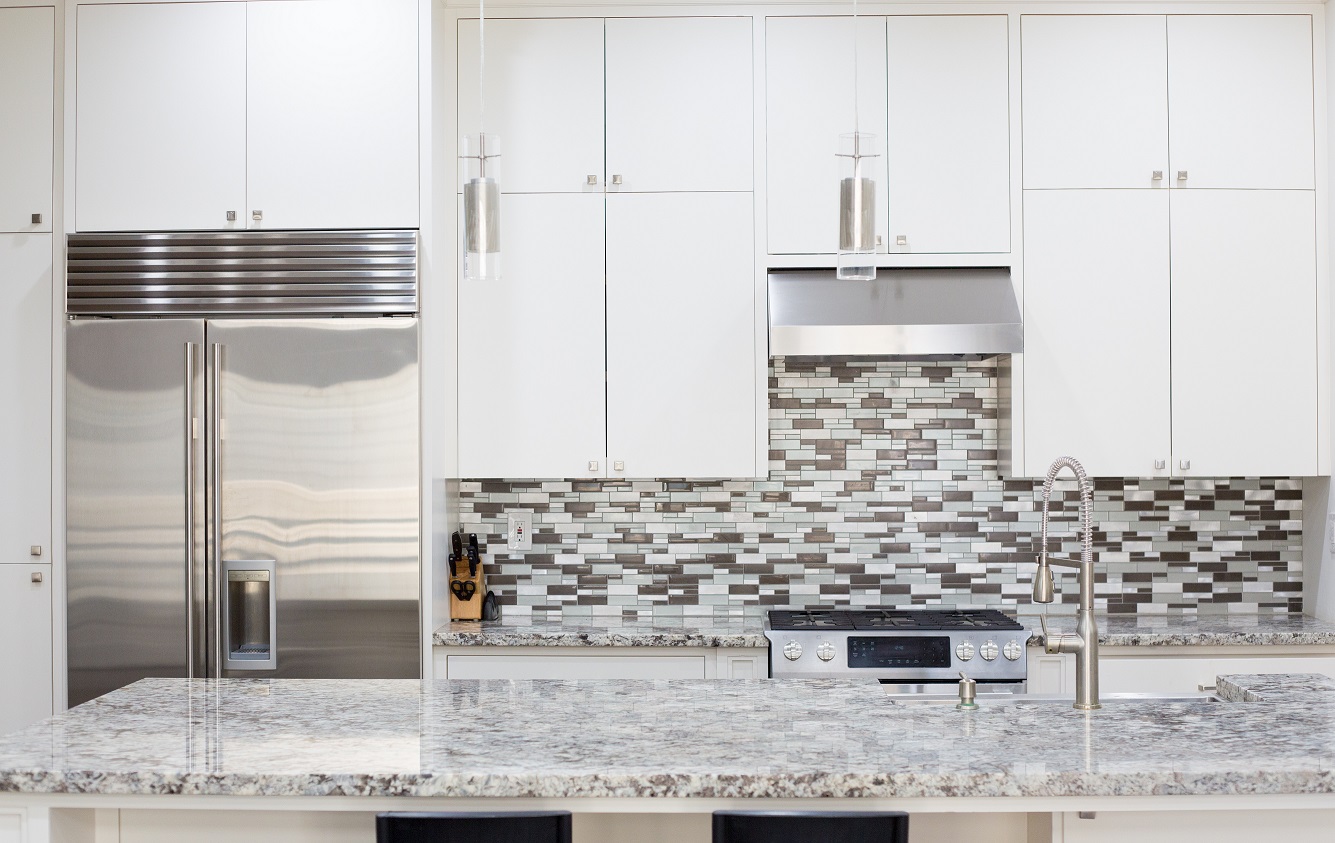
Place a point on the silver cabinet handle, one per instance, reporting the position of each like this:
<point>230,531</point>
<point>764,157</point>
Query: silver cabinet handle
<point>215,485</point>
<point>1161,464</point>
<point>231,216</point>
<point>616,179</point>
<point>37,577</point>
<point>1181,175</point>
<point>190,509</point>
<point>1156,175</point>
<point>1184,464</point>
<point>901,239</point>
<point>34,550</point>
<point>879,240</point>
<point>618,465</point>
<point>593,465</point>
<point>257,215</point>
<point>36,219</point>
<point>592,180</point>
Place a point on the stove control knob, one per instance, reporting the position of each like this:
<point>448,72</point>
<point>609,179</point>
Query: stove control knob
<point>1013,650</point>
<point>989,650</point>
<point>964,651</point>
<point>825,651</point>
<point>792,651</point>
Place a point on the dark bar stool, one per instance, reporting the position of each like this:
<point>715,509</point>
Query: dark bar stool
<point>811,827</point>
<point>510,827</point>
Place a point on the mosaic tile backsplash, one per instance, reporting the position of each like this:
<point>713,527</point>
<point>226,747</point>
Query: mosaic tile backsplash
<point>883,490</point>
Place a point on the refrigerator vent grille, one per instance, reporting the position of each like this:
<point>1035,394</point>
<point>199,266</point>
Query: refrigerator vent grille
<point>242,273</point>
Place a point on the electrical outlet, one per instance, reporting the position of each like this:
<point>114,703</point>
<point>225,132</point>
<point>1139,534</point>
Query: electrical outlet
<point>519,531</point>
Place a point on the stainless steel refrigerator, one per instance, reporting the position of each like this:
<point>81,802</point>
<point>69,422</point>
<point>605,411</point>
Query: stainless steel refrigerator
<point>242,457</point>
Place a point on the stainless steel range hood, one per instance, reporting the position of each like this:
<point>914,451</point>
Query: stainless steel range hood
<point>903,313</point>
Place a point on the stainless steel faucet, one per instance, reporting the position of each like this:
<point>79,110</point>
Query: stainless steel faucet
<point>1084,644</point>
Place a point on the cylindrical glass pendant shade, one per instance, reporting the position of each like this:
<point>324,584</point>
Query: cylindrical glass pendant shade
<point>857,206</point>
<point>479,158</point>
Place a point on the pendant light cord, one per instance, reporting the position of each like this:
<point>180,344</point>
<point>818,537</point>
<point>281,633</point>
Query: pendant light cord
<point>855,69</point>
<point>482,68</point>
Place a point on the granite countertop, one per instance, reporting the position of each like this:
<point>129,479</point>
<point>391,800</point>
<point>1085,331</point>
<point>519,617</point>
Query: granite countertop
<point>734,630</point>
<point>745,630</point>
<point>667,738</point>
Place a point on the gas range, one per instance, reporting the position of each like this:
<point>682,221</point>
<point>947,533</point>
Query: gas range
<point>898,646</point>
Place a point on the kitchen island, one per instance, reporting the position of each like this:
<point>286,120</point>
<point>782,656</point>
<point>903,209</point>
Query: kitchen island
<point>315,758</point>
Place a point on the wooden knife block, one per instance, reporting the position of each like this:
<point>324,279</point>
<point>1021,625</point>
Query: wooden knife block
<point>467,610</point>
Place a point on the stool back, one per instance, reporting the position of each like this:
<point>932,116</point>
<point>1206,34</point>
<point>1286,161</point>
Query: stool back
<point>811,827</point>
<point>473,827</point>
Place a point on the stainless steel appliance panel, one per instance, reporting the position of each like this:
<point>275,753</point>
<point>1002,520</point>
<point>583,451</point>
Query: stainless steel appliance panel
<point>133,410</point>
<point>317,424</point>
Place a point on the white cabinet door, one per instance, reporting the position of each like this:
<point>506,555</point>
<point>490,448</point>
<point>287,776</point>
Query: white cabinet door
<point>544,98</point>
<point>1094,100</point>
<point>1241,94</point>
<point>25,664</point>
<point>531,346</point>
<point>809,103</point>
<point>948,145</point>
<point>27,101</point>
<point>1096,330</point>
<point>681,348</point>
<point>598,666</point>
<point>25,380</point>
<point>160,110</point>
<point>331,114</point>
<point>1244,329</point>
<point>679,104</point>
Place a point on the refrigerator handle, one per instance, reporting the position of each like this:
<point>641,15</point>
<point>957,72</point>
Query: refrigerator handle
<point>190,509</point>
<point>215,479</point>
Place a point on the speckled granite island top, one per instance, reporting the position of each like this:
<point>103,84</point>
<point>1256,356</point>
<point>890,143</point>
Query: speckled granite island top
<point>746,631</point>
<point>670,738</point>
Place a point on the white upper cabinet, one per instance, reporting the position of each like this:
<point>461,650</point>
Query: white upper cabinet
<point>1212,101</point>
<point>1244,325</point>
<point>681,349</point>
<point>276,114</point>
<point>331,111</point>
<point>1240,89</point>
<point>160,111</point>
<point>809,103</point>
<point>1096,362</point>
<point>544,98</point>
<point>679,104</point>
<point>27,101</point>
<point>947,158</point>
<point>25,376</point>
<point>532,345</point>
<point>1094,100</point>
<point>934,90</point>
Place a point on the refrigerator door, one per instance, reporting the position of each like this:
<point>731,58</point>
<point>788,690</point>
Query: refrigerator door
<point>133,412</point>
<point>316,457</point>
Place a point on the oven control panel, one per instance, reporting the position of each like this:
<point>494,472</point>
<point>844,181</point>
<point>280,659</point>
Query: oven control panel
<point>986,656</point>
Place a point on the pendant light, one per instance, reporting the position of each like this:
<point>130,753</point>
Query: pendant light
<point>479,160</point>
<point>857,154</point>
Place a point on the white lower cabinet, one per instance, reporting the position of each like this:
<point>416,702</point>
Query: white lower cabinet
<point>25,662</point>
<point>1238,826</point>
<point>1171,670</point>
<point>600,663</point>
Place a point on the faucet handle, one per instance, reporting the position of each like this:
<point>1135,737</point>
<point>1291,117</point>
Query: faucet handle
<point>1051,643</point>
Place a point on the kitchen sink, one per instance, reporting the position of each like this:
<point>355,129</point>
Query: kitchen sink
<point>987,698</point>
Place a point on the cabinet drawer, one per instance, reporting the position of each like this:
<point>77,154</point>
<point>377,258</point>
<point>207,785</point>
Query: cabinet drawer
<point>575,667</point>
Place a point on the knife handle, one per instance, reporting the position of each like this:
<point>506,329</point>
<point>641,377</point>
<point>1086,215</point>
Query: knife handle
<point>474,555</point>
<point>454,571</point>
